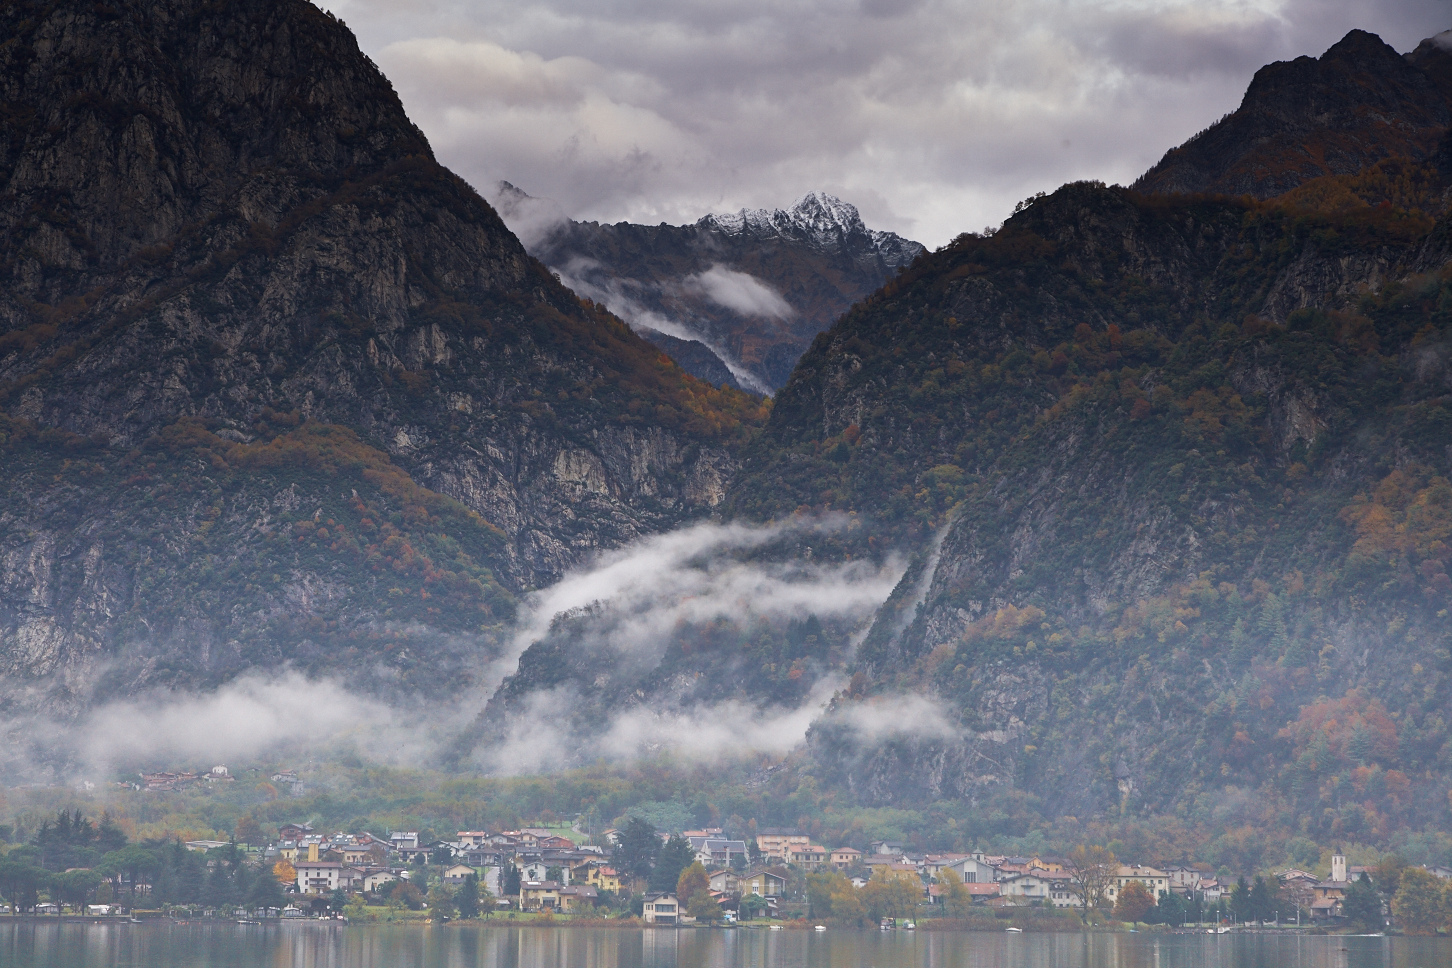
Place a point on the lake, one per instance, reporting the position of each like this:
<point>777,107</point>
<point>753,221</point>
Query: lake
<point>321,945</point>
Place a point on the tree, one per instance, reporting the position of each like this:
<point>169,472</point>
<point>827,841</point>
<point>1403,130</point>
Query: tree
<point>1240,900</point>
<point>248,831</point>
<point>20,883</point>
<point>1387,875</point>
<point>1418,902</point>
<point>703,907</point>
<point>674,857</point>
<point>1134,902</point>
<point>509,881</point>
<point>847,902</point>
<point>890,897</point>
<point>751,906</point>
<point>75,887</point>
<point>284,872</point>
<point>132,860</point>
<point>1092,869</point>
<point>1362,905</point>
<point>821,888</point>
<point>636,849</point>
<point>957,899</point>
<point>265,892</point>
<point>337,900</point>
<point>467,897</point>
<point>1263,902</point>
<point>692,881</point>
<point>1170,910</point>
<point>441,902</point>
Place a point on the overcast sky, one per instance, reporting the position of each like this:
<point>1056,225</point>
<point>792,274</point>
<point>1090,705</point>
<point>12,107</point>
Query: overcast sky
<point>932,116</point>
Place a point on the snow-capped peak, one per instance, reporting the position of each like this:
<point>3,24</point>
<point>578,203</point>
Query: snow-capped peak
<point>823,219</point>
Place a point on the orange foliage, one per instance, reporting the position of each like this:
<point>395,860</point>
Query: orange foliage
<point>1354,728</point>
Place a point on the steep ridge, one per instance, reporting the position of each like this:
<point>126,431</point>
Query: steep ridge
<point>276,385</point>
<point>1358,103</point>
<point>750,288</point>
<point>1191,456</point>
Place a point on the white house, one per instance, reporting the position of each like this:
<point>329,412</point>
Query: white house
<point>661,909</point>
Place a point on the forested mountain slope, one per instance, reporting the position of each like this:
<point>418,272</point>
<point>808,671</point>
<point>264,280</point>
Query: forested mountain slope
<point>1187,460</point>
<point>276,386</point>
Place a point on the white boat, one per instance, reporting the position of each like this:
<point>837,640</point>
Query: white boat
<point>910,926</point>
<point>820,927</point>
<point>1014,930</point>
<point>776,927</point>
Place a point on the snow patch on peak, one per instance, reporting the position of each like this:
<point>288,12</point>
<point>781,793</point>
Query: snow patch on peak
<point>821,219</point>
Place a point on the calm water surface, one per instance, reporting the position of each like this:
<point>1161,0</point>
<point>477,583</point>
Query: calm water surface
<point>225,945</point>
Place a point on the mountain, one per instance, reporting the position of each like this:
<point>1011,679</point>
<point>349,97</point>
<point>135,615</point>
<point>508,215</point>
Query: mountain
<point>744,292</point>
<point>1359,102</point>
<point>278,388</point>
<point>1175,466</point>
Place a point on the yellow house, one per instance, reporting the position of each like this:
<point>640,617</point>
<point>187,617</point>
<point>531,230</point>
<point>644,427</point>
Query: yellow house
<point>603,879</point>
<point>764,883</point>
<point>539,895</point>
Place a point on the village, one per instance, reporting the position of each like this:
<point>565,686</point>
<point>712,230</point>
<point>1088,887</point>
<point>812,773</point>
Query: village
<point>779,874</point>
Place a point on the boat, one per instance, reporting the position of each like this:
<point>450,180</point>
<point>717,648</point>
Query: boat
<point>1014,930</point>
<point>776,927</point>
<point>910,926</point>
<point>820,927</point>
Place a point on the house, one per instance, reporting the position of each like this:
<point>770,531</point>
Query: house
<point>1025,889</point>
<point>886,847</point>
<point>326,876</point>
<point>726,882</point>
<point>578,897</point>
<point>973,871</point>
<point>1156,881</point>
<point>539,895</point>
<point>844,857</point>
<point>472,838</point>
<point>603,879</point>
<point>294,831</point>
<point>372,854</point>
<point>459,873</point>
<point>764,883</point>
<point>401,839</point>
<point>776,842</point>
<point>661,909</point>
<point>717,851</point>
<point>376,878</point>
<point>808,855</point>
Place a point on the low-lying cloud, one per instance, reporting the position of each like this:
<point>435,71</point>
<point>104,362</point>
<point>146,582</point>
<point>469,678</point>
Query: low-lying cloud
<point>645,592</point>
<point>740,292</point>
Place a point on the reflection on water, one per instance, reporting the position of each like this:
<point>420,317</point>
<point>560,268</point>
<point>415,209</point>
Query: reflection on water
<point>225,945</point>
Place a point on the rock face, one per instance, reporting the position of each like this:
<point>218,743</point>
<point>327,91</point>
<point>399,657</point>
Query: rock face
<point>1175,468</point>
<point>219,214</point>
<point>1358,103</point>
<point>751,289</point>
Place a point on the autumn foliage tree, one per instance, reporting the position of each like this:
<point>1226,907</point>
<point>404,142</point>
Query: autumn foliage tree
<point>1133,903</point>
<point>1092,869</point>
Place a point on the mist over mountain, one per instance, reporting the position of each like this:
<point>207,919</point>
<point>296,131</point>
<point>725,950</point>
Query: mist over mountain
<point>277,388</point>
<point>1177,468</point>
<point>1138,507</point>
<point>744,292</point>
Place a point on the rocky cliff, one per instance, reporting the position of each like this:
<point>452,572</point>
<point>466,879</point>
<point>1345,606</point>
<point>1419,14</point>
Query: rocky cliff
<point>1358,103</point>
<point>744,292</point>
<point>1176,468</point>
<point>243,298</point>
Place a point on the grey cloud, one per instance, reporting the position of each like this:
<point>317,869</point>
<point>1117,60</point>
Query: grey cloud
<point>932,116</point>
